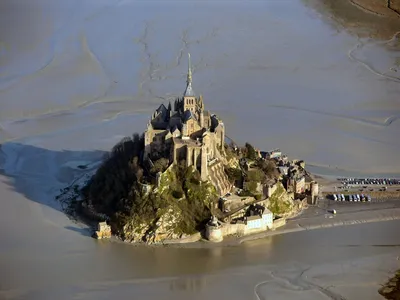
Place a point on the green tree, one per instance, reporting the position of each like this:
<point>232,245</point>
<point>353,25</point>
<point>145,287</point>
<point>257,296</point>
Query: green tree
<point>251,186</point>
<point>251,153</point>
<point>255,175</point>
<point>233,174</point>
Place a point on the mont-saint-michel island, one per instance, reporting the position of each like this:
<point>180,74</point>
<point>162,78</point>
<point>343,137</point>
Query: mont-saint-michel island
<point>262,165</point>
<point>184,180</point>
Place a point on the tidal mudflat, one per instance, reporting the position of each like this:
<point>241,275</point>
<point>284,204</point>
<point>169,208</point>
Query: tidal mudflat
<point>77,76</point>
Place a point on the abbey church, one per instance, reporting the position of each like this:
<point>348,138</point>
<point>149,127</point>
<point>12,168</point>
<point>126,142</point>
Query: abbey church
<point>188,132</point>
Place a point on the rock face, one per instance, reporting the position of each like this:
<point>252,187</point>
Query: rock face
<point>162,228</point>
<point>174,208</point>
<point>166,226</point>
<point>391,290</point>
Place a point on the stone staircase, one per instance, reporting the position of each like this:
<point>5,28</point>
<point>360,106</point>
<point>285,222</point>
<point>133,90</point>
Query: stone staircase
<point>219,178</point>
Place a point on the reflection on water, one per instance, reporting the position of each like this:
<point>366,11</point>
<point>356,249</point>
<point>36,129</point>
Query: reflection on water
<point>191,284</point>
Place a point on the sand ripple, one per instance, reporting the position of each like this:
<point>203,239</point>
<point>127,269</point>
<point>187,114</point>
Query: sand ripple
<point>368,65</point>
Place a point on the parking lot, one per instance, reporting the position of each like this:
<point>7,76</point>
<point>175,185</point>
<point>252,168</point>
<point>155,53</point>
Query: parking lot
<point>368,184</point>
<point>378,189</point>
<point>369,181</point>
<point>355,200</point>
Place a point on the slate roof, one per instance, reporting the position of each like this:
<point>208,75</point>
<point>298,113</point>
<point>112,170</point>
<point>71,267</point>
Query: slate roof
<point>187,115</point>
<point>189,90</point>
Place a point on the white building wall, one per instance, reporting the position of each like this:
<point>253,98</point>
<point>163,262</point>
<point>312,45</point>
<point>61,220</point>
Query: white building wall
<point>266,221</point>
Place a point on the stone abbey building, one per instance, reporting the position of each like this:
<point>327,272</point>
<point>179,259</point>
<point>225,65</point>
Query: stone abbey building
<point>188,132</point>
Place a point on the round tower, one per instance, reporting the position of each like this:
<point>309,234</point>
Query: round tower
<point>314,192</point>
<point>213,230</point>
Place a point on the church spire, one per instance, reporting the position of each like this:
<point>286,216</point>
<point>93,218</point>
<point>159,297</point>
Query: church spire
<point>189,91</point>
<point>189,75</point>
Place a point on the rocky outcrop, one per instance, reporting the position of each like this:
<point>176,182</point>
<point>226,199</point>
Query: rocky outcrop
<point>219,178</point>
<point>156,231</point>
<point>281,202</point>
<point>166,225</point>
<point>391,290</point>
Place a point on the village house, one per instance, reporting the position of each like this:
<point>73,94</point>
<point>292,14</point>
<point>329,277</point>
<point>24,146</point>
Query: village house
<point>260,218</point>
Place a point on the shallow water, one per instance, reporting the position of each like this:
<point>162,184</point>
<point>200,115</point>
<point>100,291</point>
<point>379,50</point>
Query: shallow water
<point>77,76</point>
<point>305,85</point>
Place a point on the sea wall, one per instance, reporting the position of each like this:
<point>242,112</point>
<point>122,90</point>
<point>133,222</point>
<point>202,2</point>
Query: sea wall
<point>189,239</point>
<point>241,229</point>
<point>279,223</point>
<point>233,229</point>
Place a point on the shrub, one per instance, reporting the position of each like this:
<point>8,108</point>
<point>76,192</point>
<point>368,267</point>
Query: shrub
<point>255,175</point>
<point>251,186</point>
<point>277,205</point>
<point>160,165</point>
<point>177,194</point>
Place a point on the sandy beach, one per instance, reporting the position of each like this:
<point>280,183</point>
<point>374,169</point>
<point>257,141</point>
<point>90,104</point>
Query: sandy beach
<point>313,78</point>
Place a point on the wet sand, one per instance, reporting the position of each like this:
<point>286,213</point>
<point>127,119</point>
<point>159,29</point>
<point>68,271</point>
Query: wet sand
<point>77,76</point>
<point>347,214</point>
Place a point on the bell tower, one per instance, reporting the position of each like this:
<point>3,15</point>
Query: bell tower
<point>189,99</point>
